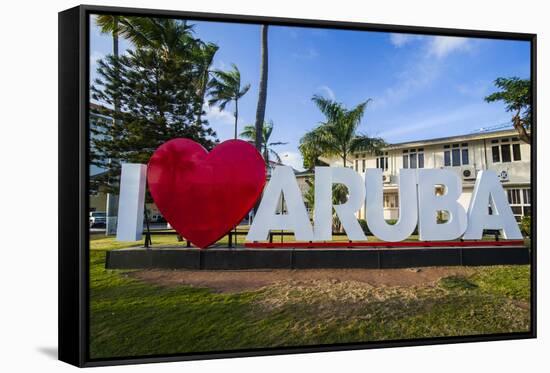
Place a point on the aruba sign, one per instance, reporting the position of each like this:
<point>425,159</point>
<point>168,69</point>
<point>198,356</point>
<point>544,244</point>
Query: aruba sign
<point>203,195</point>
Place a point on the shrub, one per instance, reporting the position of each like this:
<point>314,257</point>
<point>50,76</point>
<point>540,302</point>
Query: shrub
<point>525,225</point>
<point>364,226</point>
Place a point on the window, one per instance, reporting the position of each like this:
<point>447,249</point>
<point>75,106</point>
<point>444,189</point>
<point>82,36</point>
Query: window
<point>505,153</point>
<point>520,202</point>
<point>356,165</point>
<point>414,158</point>
<point>509,150</point>
<point>465,158</point>
<point>456,155</point>
<point>527,196</point>
<point>447,157</point>
<point>420,160</point>
<point>382,161</point>
<point>517,152</point>
<point>363,166</point>
<point>391,201</point>
<point>496,154</point>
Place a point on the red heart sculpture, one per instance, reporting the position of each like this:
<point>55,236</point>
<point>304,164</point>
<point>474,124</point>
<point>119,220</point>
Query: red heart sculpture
<point>204,195</point>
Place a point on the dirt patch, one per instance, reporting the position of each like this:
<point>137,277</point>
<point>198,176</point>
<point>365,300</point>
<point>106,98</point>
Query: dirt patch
<point>238,281</point>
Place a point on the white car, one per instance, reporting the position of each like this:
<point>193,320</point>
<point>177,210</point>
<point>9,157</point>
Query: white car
<point>98,219</point>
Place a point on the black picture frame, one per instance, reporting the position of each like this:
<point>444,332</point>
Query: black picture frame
<point>74,180</point>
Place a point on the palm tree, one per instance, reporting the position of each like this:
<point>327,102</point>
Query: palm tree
<point>205,56</point>
<point>338,135</point>
<point>267,150</point>
<point>110,24</point>
<point>262,92</point>
<point>226,87</point>
<point>167,37</point>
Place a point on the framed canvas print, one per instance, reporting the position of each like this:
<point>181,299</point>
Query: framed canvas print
<point>237,186</point>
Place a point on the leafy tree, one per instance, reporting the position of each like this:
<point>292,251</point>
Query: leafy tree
<point>339,195</point>
<point>516,95</point>
<point>158,101</point>
<point>226,87</point>
<point>311,149</point>
<point>338,135</point>
<point>268,152</point>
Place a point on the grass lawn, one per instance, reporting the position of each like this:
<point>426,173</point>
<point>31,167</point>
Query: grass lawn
<point>130,317</point>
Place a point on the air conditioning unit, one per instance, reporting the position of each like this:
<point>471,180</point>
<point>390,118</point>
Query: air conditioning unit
<point>386,177</point>
<point>468,173</point>
<point>503,175</point>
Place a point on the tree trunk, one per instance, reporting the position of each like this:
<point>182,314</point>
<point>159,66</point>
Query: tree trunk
<point>262,92</point>
<point>115,54</point>
<point>522,131</point>
<point>202,94</point>
<point>236,115</point>
<point>111,208</point>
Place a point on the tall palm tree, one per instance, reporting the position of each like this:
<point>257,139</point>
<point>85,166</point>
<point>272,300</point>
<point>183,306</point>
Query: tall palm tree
<point>249,132</point>
<point>110,24</point>
<point>226,87</point>
<point>338,135</point>
<point>205,56</point>
<point>262,92</point>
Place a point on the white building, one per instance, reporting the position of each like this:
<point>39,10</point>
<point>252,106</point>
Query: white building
<point>500,151</point>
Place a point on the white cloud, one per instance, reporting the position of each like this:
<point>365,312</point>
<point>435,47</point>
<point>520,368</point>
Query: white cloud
<point>214,114</point>
<point>476,89</point>
<point>400,40</point>
<point>94,57</point>
<point>441,46</point>
<point>308,54</point>
<point>423,69</point>
<point>221,65</point>
<point>449,120</point>
<point>411,80</point>
<point>328,93</point>
<point>293,159</point>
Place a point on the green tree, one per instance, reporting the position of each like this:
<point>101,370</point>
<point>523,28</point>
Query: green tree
<point>173,39</point>
<point>262,91</point>
<point>338,135</point>
<point>226,87</point>
<point>516,95</point>
<point>158,102</point>
<point>249,132</point>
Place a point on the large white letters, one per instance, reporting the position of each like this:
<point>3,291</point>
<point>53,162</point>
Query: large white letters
<point>408,215</point>
<point>131,202</point>
<point>430,204</point>
<point>325,177</point>
<point>488,191</point>
<point>418,204</point>
<point>296,219</point>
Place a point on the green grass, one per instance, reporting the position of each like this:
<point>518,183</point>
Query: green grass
<point>130,317</point>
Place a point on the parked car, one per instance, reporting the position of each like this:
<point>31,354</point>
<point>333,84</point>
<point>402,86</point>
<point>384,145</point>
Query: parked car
<point>98,219</point>
<point>157,218</point>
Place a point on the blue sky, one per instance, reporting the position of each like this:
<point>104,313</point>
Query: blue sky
<point>420,86</point>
